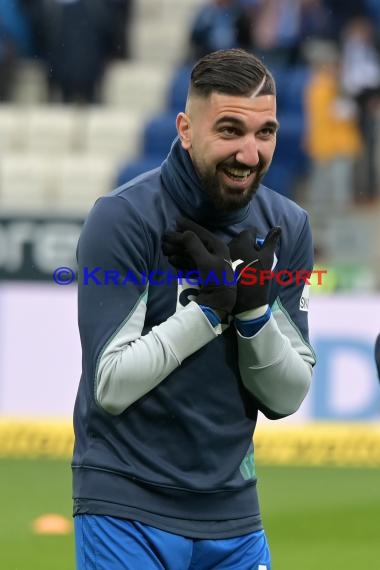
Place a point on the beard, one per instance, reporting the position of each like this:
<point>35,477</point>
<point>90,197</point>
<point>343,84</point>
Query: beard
<point>221,196</point>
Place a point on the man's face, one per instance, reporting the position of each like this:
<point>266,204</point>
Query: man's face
<point>231,141</point>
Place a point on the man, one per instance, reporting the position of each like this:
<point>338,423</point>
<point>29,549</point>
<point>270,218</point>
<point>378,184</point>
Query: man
<point>74,38</point>
<point>219,24</point>
<point>377,355</point>
<point>15,44</point>
<point>174,375</point>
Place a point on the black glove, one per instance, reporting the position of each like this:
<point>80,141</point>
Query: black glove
<point>193,247</point>
<point>243,247</point>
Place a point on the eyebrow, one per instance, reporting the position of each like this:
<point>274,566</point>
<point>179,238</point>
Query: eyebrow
<point>239,123</point>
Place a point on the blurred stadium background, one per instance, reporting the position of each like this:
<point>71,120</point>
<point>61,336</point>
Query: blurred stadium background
<point>318,470</point>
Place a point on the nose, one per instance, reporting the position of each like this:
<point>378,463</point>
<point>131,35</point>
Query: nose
<point>248,152</point>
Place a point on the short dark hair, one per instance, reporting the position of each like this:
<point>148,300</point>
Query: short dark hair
<point>231,71</point>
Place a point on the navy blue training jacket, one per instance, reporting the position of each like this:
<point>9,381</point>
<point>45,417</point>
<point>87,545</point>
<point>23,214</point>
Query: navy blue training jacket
<point>167,403</point>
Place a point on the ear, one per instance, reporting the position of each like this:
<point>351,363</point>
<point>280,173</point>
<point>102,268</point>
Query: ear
<point>183,125</point>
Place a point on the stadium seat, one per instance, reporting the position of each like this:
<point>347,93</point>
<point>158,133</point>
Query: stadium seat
<point>178,87</point>
<point>26,182</point>
<point>161,42</point>
<point>137,87</point>
<point>290,161</point>
<point>113,132</point>
<point>178,11</point>
<point>52,130</point>
<point>291,85</point>
<point>289,149</point>
<point>81,180</point>
<point>30,86</point>
<point>159,134</point>
<point>12,124</point>
<point>132,169</point>
<point>281,178</point>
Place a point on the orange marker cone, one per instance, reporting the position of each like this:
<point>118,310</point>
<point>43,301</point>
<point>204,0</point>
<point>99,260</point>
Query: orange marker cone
<point>52,523</point>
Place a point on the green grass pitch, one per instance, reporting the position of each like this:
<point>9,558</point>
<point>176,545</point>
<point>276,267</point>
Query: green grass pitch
<point>315,518</point>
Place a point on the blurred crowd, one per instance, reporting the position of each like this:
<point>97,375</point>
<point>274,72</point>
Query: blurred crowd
<point>277,29</point>
<point>74,40</point>
<point>339,43</point>
<point>335,41</point>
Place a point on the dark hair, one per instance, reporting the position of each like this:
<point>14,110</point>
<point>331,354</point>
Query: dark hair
<point>231,71</point>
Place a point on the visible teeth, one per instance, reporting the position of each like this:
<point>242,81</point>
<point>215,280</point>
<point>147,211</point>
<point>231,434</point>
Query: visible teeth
<point>238,172</point>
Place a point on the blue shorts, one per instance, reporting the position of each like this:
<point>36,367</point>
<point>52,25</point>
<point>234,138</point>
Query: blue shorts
<point>108,543</point>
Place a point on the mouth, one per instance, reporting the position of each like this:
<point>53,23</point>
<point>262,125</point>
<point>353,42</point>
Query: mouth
<point>240,177</point>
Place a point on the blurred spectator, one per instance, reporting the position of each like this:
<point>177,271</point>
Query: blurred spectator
<point>75,38</point>
<point>316,21</point>
<point>373,13</point>
<point>361,80</point>
<point>120,14</point>
<point>332,136</point>
<point>280,28</point>
<point>219,24</point>
<point>34,13</point>
<point>14,43</point>
<point>377,355</point>
<point>343,11</point>
<point>276,31</point>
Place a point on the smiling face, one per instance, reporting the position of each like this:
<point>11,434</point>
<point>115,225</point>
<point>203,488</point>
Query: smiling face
<point>231,140</point>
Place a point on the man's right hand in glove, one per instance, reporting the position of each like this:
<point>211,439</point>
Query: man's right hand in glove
<point>194,247</point>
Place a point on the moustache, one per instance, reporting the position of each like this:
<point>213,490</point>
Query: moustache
<point>233,164</point>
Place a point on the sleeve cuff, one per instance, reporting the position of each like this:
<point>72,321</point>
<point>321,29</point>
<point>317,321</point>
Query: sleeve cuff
<point>249,328</point>
<point>211,315</point>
